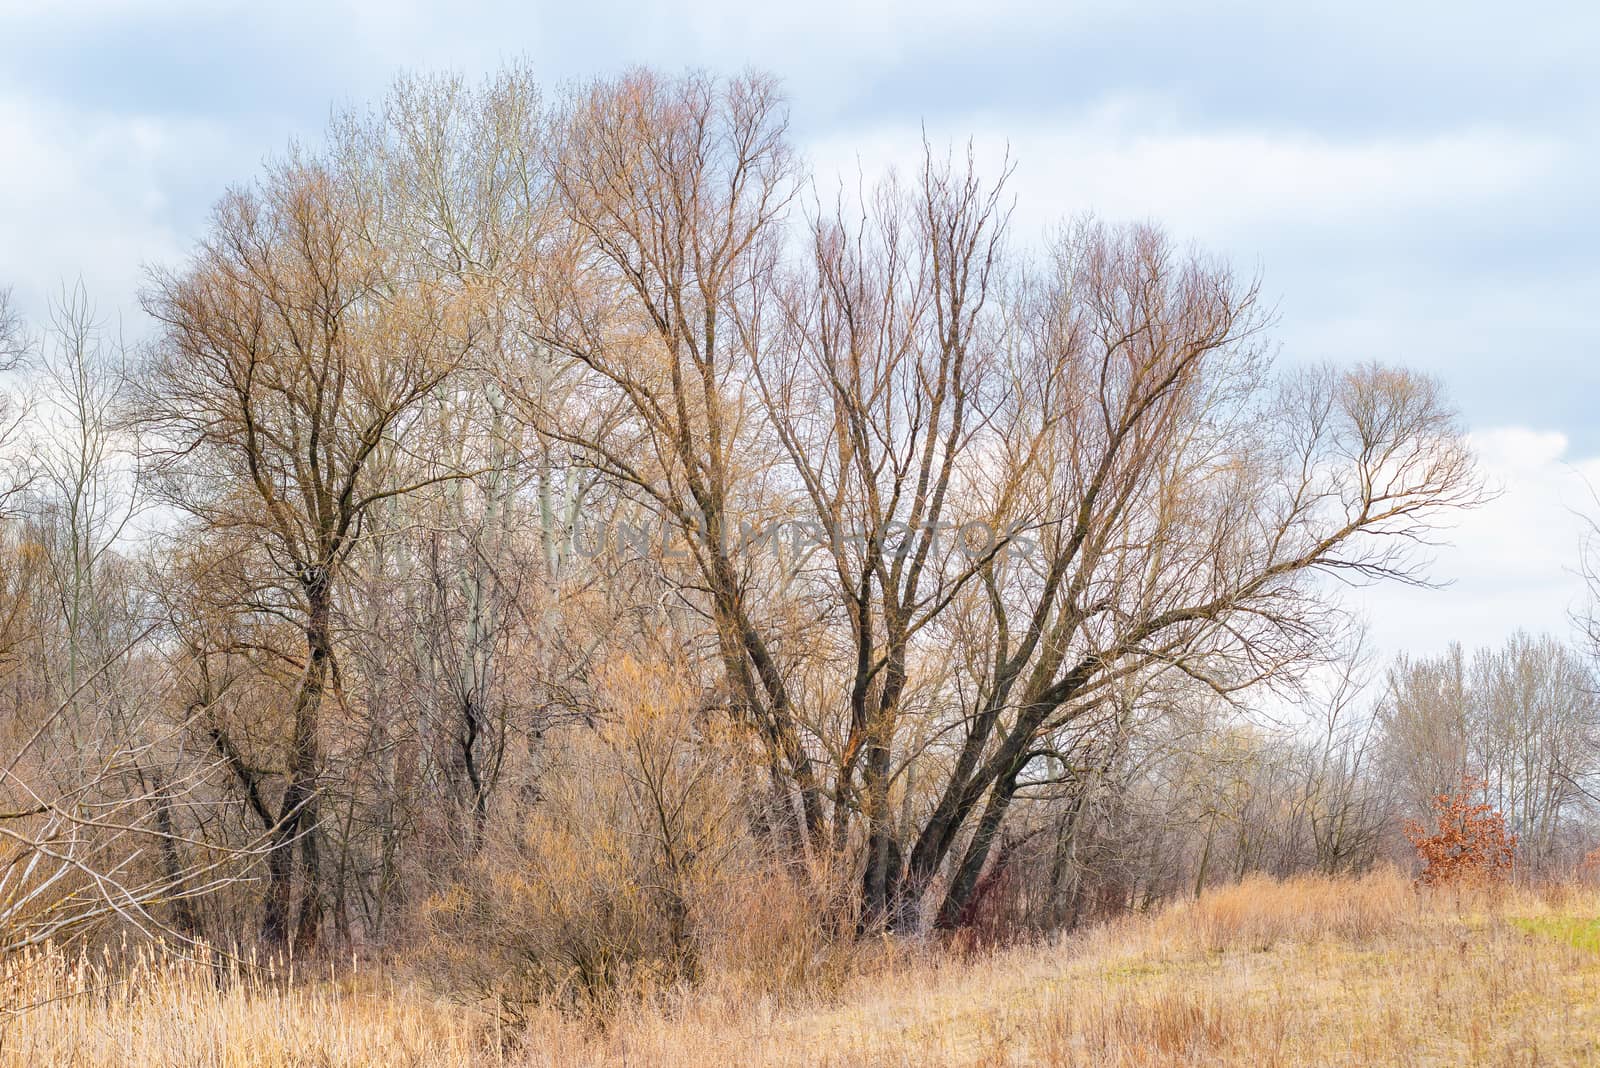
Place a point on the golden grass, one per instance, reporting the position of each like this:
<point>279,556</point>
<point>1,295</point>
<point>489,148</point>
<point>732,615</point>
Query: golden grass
<point>164,1009</point>
<point>1303,972</point>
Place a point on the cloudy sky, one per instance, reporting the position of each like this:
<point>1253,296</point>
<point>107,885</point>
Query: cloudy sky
<point>1415,187</point>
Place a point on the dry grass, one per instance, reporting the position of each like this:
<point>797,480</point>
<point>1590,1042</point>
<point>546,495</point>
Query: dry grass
<point>161,1009</point>
<point>1309,971</point>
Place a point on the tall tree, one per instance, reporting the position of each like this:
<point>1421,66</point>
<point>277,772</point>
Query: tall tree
<point>295,352</point>
<point>880,382</point>
<point>1184,506</point>
<point>674,193</point>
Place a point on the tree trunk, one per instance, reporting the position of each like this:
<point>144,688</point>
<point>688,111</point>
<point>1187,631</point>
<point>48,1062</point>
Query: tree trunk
<point>298,815</point>
<point>184,920</point>
<point>977,854</point>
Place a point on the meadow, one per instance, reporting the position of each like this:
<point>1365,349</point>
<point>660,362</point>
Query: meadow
<point>1308,971</point>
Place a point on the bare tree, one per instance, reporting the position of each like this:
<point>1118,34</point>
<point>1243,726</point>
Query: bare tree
<point>85,474</point>
<point>458,171</point>
<point>675,192</point>
<point>1521,718</point>
<point>1347,804</point>
<point>1187,511</point>
<point>1115,405</point>
<point>294,356</point>
<point>878,383</point>
<point>13,338</point>
<point>971,556</point>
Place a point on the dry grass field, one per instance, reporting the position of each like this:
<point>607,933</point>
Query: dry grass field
<point>1304,972</point>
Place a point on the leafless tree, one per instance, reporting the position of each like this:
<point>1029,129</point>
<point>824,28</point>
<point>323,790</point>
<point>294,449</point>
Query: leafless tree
<point>675,192</point>
<point>13,340</point>
<point>295,353</point>
<point>975,558</point>
<point>1187,510</point>
<point>1520,718</point>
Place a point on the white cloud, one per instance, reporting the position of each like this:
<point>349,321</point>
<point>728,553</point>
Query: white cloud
<point>93,196</point>
<point>1511,563</point>
<point>1131,158</point>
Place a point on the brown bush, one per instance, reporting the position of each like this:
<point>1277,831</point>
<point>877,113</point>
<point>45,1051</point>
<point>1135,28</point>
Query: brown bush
<point>633,871</point>
<point>1469,846</point>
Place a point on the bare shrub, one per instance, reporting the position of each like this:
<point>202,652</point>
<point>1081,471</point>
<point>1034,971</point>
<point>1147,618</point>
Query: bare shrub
<point>600,890</point>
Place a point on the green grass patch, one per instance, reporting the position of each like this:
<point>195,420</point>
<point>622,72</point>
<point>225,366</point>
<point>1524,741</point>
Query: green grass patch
<point>1575,931</point>
<point>1135,970</point>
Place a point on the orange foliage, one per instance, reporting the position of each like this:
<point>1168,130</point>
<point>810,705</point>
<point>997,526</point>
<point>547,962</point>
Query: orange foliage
<point>1470,846</point>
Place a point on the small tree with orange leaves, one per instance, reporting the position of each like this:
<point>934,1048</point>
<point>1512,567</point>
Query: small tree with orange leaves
<point>1470,845</point>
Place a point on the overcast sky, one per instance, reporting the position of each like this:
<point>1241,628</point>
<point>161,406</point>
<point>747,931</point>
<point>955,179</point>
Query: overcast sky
<point>1414,187</point>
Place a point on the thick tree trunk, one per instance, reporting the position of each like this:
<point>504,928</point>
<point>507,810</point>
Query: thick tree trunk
<point>297,818</point>
<point>762,692</point>
<point>882,875</point>
<point>965,881</point>
<point>884,881</point>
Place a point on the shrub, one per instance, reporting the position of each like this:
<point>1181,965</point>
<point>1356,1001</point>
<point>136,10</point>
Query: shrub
<point>1469,845</point>
<point>623,878</point>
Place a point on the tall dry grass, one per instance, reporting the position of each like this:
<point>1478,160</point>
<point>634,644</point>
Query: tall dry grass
<point>1259,913</point>
<point>150,1007</point>
<point>1302,972</point>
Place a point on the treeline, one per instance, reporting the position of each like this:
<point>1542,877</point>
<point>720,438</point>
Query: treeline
<point>328,616</point>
